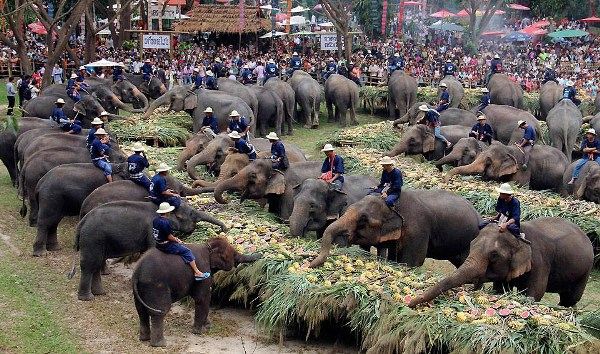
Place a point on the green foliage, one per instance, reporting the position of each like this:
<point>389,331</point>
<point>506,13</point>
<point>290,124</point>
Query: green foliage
<point>130,44</point>
<point>560,8</point>
<point>166,129</point>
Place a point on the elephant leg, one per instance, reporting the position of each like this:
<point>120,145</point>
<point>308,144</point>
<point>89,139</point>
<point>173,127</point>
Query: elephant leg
<point>382,252</point>
<point>392,107</point>
<point>290,123</point>
<point>39,245</point>
<point>330,117</point>
<point>315,115</point>
<point>353,120</point>
<point>97,288</point>
<point>415,250</point>
<point>571,296</point>
<point>278,124</point>
<point>105,269</point>
<point>201,294</point>
<point>157,327</point>
<point>537,284</point>
<point>52,239</point>
<point>365,248</point>
<point>144,317</point>
<point>500,287</point>
<point>85,286</point>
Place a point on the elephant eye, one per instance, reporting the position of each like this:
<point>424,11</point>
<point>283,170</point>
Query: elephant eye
<point>494,255</point>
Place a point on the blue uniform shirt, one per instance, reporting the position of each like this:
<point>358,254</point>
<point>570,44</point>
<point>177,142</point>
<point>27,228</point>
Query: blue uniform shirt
<point>432,117</point>
<point>245,148</point>
<point>496,66</point>
<point>238,126</point>
<point>58,114</point>
<point>80,77</point>
<point>98,149</point>
<point>91,137</point>
<point>510,209</point>
<point>295,62</point>
<point>212,123</point>
<point>217,68</point>
<point>485,101</point>
<point>136,164</point>
<point>117,73</point>
<point>246,76</point>
<point>147,69</point>
<point>570,93</point>
<point>211,83</point>
<point>549,75</point>
<point>591,144</point>
<point>198,81</point>
<point>449,69</point>
<point>338,166</point>
<point>271,70</point>
<point>529,133</point>
<point>331,68</point>
<point>158,185</point>
<point>445,96</point>
<point>394,179</point>
<point>485,130</point>
<point>161,229</point>
<point>277,149</point>
<point>70,85</point>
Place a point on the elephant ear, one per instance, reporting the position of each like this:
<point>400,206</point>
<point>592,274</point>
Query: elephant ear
<point>336,202</point>
<point>508,165</point>
<point>393,235</point>
<point>190,102</point>
<point>521,261</point>
<point>276,184</point>
<point>428,140</point>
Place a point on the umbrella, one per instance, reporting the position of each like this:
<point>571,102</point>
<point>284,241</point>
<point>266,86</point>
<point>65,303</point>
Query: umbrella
<point>268,7</point>
<point>325,24</point>
<point>298,9</point>
<point>493,33</point>
<point>442,14</point>
<point>568,34</point>
<point>590,19</point>
<point>462,13</point>
<point>518,7</point>
<point>533,31</point>
<point>497,12</point>
<point>101,63</point>
<point>318,7</point>
<point>104,32</point>
<point>517,37</point>
<point>542,23</point>
<point>304,33</point>
<point>406,3</point>
<point>272,34</point>
<point>447,27</point>
<point>37,28</point>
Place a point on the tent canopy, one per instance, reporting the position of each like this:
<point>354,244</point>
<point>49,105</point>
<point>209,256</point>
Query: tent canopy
<point>590,19</point>
<point>517,37</point>
<point>442,14</point>
<point>518,7</point>
<point>271,34</point>
<point>572,33</point>
<point>438,26</point>
<point>101,63</point>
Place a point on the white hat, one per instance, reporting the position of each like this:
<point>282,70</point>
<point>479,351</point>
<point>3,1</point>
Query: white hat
<point>82,67</point>
<point>218,60</point>
<point>147,60</point>
<point>443,84</point>
<point>73,76</point>
<point>138,147</point>
<point>196,70</point>
<point>208,110</point>
<point>396,54</point>
<point>97,121</point>
<point>103,114</point>
<point>505,188</point>
<point>330,59</point>
<point>448,60</point>
<point>386,160</point>
<point>591,131</point>
<point>234,135</point>
<point>520,123</point>
<point>162,167</point>
<point>485,90</point>
<point>121,63</point>
<point>496,56</point>
<point>100,131</point>
<point>164,208</point>
<point>327,147</point>
<point>569,83</point>
<point>295,53</point>
<point>271,61</point>
<point>481,117</point>
<point>60,100</point>
<point>234,113</point>
<point>245,66</point>
<point>423,108</point>
<point>209,73</point>
<point>548,66</point>
<point>272,136</point>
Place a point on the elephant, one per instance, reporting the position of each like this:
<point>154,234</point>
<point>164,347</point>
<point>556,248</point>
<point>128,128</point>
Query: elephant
<point>237,89</point>
<point>259,180</point>
<point>193,146</point>
<point>587,186</point>
<point>501,163</point>
<point>595,122</point>
<point>564,123</point>
<point>504,119</point>
<point>597,103</point>
<point>463,152</point>
<point>419,139</point>
<point>270,110</point>
<point>423,223</point>
<point>119,229</point>
<point>153,89</point>
<point>316,204</point>
<point>450,116</point>
<point>86,109</point>
<point>128,190</point>
<point>455,89</point>
<point>308,96</point>
<point>60,193</point>
<point>298,76</point>
<point>504,91</point>
<point>559,260</point>
<point>160,279</point>
<point>183,98</point>
<point>342,93</point>
<point>288,96</point>
<point>402,93</point>
<point>550,94</point>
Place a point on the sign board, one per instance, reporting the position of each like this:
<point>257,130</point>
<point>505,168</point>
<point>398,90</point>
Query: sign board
<point>156,41</point>
<point>171,12</point>
<point>329,42</point>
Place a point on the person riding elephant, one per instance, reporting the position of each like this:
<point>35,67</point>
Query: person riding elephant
<point>424,223</point>
<point>587,184</point>
<point>564,124</point>
<point>558,260</point>
<point>482,131</point>
<point>181,98</point>
<point>56,196</point>
<point>451,116</point>
<point>237,89</point>
<point>550,94</point>
<point>419,139</point>
<point>432,120</point>
<point>270,110</point>
<point>504,91</point>
<point>485,99</point>
<point>159,191</point>
<point>99,153</point>
<point>242,146</point>
<point>288,97</point>
<point>402,93</point>
<point>160,279</point>
<point>259,180</point>
<point>590,147</point>
<point>463,152</point>
<point>341,93</point>
<point>508,213</point>
<point>153,89</point>
<point>444,101</point>
<point>137,164</point>
<point>504,122</point>
<point>99,236</point>
<point>455,90</point>
<point>500,162</point>
<point>278,156</point>
<point>85,110</point>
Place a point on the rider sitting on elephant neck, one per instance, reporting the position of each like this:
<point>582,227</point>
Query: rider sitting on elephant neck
<point>136,163</point>
<point>99,153</point>
<point>527,142</point>
<point>72,127</point>
<point>449,68</point>
<point>482,131</point>
<point>238,124</point>
<point>159,193</point>
<point>210,122</point>
<point>391,182</point>
<point>432,119</point>
<point>485,100</point>
<point>332,170</point>
<point>168,243</point>
<point>278,156</point>
<point>570,93</point>
<point>242,146</point>
<point>590,146</point>
<point>508,214</point>
<point>444,102</point>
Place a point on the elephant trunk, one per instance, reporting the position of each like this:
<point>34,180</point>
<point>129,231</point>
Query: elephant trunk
<point>470,270</point>
<point>202,216</point>
<point>404,119</point>
<point>204,184</point>
<point>120,104</point>
<point>115,117</point>
<point>344,224</point>
<point>235,183</point>
<point>140,97</point>
<point>398,149</point>
<point>299,219</point>
<point>450,158</point>
<point>475,167</point>
<point>161,101</point>
<point>202,158</point>
<point>162,89</point>
<point>187,191</point>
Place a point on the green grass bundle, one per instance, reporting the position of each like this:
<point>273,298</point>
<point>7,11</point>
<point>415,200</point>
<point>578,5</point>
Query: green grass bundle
<point>163,128</point>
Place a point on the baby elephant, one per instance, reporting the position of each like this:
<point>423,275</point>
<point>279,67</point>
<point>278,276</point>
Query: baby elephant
<point>160,279</point>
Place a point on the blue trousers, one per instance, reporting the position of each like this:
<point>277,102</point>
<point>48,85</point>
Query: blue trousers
<point>173,200</point>
<point>142,181</point>
<point>437,132</point>
<point>104,165</point>
<point>512,228</point>
<point>580,164</point>
<point>442,107</point>
<point>391,199</point>
<point>178,249</point>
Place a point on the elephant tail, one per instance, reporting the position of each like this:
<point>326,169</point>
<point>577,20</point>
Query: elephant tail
<point>156,312</point>
<point>73,270</point>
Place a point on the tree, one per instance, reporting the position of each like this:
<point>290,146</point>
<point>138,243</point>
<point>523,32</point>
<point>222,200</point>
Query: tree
<point>339,12</point>
<point>13,13</point>
<point>477,24</point>
<point>107,11</point>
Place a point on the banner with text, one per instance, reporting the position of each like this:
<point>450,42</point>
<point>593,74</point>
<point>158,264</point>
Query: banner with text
<point>329,42</point>
<point>171,12</point>
<point>156,41</point>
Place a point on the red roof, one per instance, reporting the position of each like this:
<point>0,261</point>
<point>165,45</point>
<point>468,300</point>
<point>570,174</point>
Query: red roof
<point>176,2</point>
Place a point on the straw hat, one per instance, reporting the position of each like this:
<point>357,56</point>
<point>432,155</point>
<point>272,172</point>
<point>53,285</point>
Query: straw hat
<point>147,60</point>
<point>164,208</point>
<point>272,136</point>
<point>569,83</point>
<point>327,147</point>
<point>73,76</point>
<point>386,160</point>
<point>162,167</point>
<point>234,113</point>
<point>443,84</point>
<point>208,110</point>
<point>591,131</point>
<point>496,56</point>
<point>295,53</point>
<point>485,90</point>
<point>196,70</point>
<point>271,61</point>
<point>100,131</point>
<point>82,67</point>
<point>121,64</point>
<point>209,73</point>
<point>505,188</point>
<point>481,117</point>
<point>520,123</point>
<point>218,60</point>
<point>423,108</point>
<point>245,66</point>
<point>60,101</point>
<point>396,54</point>
<point>138,147</point>
<point>97,121</point>
<point>234,135</point>
<point>104,114</point>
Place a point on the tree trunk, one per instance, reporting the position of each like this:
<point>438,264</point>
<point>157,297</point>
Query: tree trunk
<point>124,25</point>
<point>339,38</point>
<point>348,47</point>
<point>90,43</point>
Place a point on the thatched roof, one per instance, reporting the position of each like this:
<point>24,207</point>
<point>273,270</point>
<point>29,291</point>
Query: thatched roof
<point>223,19</point>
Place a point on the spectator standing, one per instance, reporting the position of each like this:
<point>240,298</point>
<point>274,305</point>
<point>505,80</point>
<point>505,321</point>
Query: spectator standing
<point>11,92</point>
